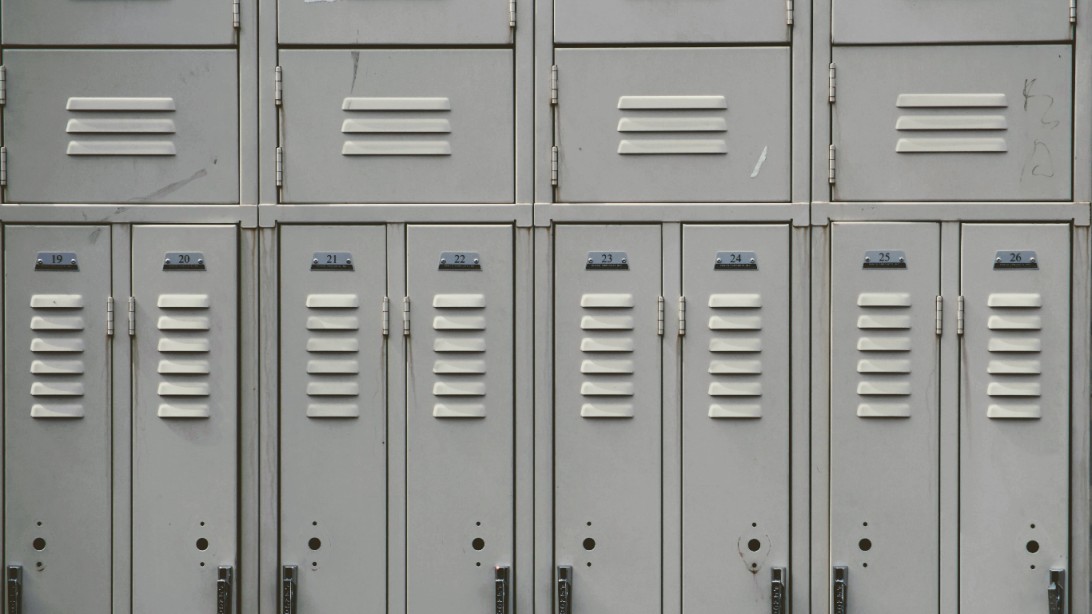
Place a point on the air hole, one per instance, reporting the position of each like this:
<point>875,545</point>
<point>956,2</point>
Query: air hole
<point>202,543</point>
<point>39,543</point>
<point>589,523</point>
<point>1033,526</point>
<point>478,564</point>
<point>477,524</point>
<point>39,523</point>
<point>201,564</point>
<point>865,544</point>
<point>202,523</point>
<point>1033,567</point>
<point>314,563</point>
<point>1032,546</point>
<point>314,543</point>
<point>589,544</point>
<point>478,543</point>
<point>864,524</point>
<point>864,565</point>
<point>754,524</point>
<point>589,563</point>
<point>314,523</point>
<point>754,545</point>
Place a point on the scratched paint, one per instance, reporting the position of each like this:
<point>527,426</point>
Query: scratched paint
<point>761,161</point>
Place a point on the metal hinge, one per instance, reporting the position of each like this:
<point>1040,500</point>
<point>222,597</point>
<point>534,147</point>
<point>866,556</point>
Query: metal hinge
<point>1056,592</point>
<point>236,10</point>
<point>280,167</point>
<point>289,574</point>
<point>225,592</point>
<point>564,589</point>
<point>831,170</point>
<point>502,576</point>
<point>660,316</point>
<point>682,316</point>
<point>405,316</point>
<point>3,85</point>
<point>3,166</point>
<point>832,83</point>
<point>109,316</point>
<point>1072,11</point>
<point>789,10</point>
<point>553,84</point>
<point>553,165</point>
<point>278,86</point>
<point>14,580</point>
<point>959,316</point>
<point>841,590</point>
<point>132,317</point>
<point>386,316</point>
<point>512,14</point>
<point>940,315</point>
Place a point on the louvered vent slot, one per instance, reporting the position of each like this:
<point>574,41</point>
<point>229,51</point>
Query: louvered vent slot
<point>736,362</point>
<point>952,123</point>
<point>673,125</point>
<point>397,127</point>
<point>1015,325</point>
<point>333,388</point>
<point>57,344</point>
<point>883,365</point>
<point>184,326</point>
<point>121,127</point>
<point>607,365</point>
<point>459,348</point>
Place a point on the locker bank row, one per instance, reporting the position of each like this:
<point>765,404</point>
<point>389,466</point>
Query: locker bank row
<point>659,373</point>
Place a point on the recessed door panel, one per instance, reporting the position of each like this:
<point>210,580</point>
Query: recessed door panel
<point>907,21</point>
<point>658,21</point>
<point>374,22</point>
<point>460,408</point>
<point>57,416</point>
<point>1015,415</point>
<point>940,123</point>
<point>185,415</point>
<point>885,415</point>
<point>735,416</point>
<point>333,455</point>
<point>607,416</point>
<point>118,22</point>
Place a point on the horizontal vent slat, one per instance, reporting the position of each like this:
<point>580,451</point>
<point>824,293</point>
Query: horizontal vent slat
<point>458,410</point>
<point>883,410</point>
<point>317,344</point>
<point>735,301</point>
<point>333,410</point>
<point>1014,367</point>
<point>56,345</point>
<point>735,389</point>
<point>121,148</point>
<point>1026,300</point>
<point>672,124</point>
<point>396,126</point>
<point>952,145</point>
<point>1014,389</point>
<point>333,389</point>
<point>59,411</point>
<point>396,148</point>
<point>600,344</point>
<point>606,300</point>
<point>883,366</point>
<point>56,367</point>
<point>1029,346</point>
<point>187,411</point>
<point>120,126</point>
<point>951,100</point>
<point>459,367</point>
<point>333,301</point>
<point>458,389</point>
<point>744,411</point>
<point>884,344</point>
<point>56,301</point>
<point>186,389</point>
<point>607,410</point>
<point>1015,323</point>
<point>883,322</point>
<point>606,323</point>
<point>458,323</point>
<point>184,367</point>
<point>56,389</point>
<point>459,345</point>
<point>333,367</point>
<point>56,323</point>
<point>458,301</point>
<point>333,323</point>
<point>395,104</point>
<point>183,323</point>
<point>735,367</point>
<point>607,367</point>
<point>672,103</point>
<point>884,299</point>
<point>183,301</point>
<point>120,104</point>
<point>606,389</point>
<point>741,345</point>
<point>952,122</point>
<point>1014,411</point>
<point>660,147</point>
<point>735,323</point>
<point>167,344</point>
<point>895,389</point>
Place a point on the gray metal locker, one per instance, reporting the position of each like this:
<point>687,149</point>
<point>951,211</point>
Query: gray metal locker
<point>185,416</point>
<point>1014,435</point>
<point>672,125</point>
<point>333,455</point>
<point>885,415</point>
<point>460,406</point>
<point>607,416</point>
<point>907,21</point>
<point>57,418</point>
<point>953,123</point>
<point>133,126</point>
<point>735,418</point>
<point>398,126</point>
<point>118,22</point>
<point>713,21</point>
<point>378,22</point>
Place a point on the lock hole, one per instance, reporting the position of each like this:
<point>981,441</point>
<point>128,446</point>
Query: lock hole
<point>202,544</point>
<point>314,543</point>
<point>1032,546</point>
<point>865,544</point>
<point>754,545</point>
<point>589,544</point>
<point>478,543</point>
<point>38,543</point>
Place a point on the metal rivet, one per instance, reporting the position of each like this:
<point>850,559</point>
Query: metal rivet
<point>1033,261</point>
<point>752,260</point>
<point>902,259</point>
<point>314,261</point>
<point>476,261</point>
<point>624,260</point>
<point>166,261</point>
<point>200,261</point>
<point>719,261</point>
<point>867,259</point>
<point>348,261</point>
<point>589,261</point>
<point>443,260</point>
<point>997,260</point>
<point>40,261</point>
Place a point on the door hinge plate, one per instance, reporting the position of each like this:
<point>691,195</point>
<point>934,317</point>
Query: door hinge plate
<point>553,165</point>
<point>553,84</point>
<point>386,316</point>
<point>832,158</point>
<point>940,315</point>
<point>501,579</point>
<point>841,590</point>
<point>512,14</point>
<point>278,86</point>
<point>1056,592</point>
<point>832,83</point>
<point>959,316</point>
<point>109,316</point>
<point>225,598</point>
<point>3,85</point>
<point>1072,11</point>
<point>3,166</point>
<point>682,316</point>
<point>779,590</point>
<point>790,9</point>
<point>288,589</point>
<point>564,589</point>
<point>14,581</point>
<point>236,12</point>
<point>405,316</point>
<point>660,315</point>
<point>280,167</point>
<point>132,316</point>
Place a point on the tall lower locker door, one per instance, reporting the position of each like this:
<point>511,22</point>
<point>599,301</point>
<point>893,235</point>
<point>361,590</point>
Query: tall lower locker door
<point>1015,417</point>
<point>607,419</point>
<point>333,455</point>
<point>57,416</point>
<point>884,418</point>
<point>460,416</point>
<point>735,419</point>
<point>185,417</point>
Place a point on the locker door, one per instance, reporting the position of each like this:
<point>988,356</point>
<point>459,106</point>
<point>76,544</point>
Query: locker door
<point>1014,448</point>
<point>133,126</point>
<point>57,435</point>
<point>717,21</point>
<point>673,125</point>
<point>185,414</point>
<point>377,22</point>
<point>607,416</point>
<point>942,123</point>
<point>398,126</point>
<point>333,415</point>
<point>460,416</point>
<point>885,415</point>
<point>906,21</point>
<point>735,416</point>
<point>117,22</point>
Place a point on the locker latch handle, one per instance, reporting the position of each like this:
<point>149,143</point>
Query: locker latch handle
<point>15,589</point>
<point>500,584</point>
<point>841,590</point>
<point>778,591</point>
<point>1056,592</point>
<point>564,589</point>
<point>225,577</point>
<point>288,589</point>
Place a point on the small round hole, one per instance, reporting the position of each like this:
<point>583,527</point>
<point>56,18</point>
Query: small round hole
<point>864,524</point>
<point>314,543</point>
<point>477,524</point>
<point>754,524</point>
<point>314,563</point>
<point>589,563</point>
<point>754,545</point>
<point>314,523</point>
<point>202,543</point>
<point>589,544</point>
<point>589,523</point>
<point>1032,546</point>
<point>864,565</point>
<point>39,523</point>
<point>478,543</point>
<point>39,543</point>
<point>865,544</point>
<point>202,564</point>
<point>478,564</point>
<point>1033,526</point>
<point>202,523</point>
<point>754,565</point>
<point>38,564</point>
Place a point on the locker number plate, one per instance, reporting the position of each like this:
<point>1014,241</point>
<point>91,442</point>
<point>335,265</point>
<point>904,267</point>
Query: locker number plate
<point>460,261</point>
<point>610,261</point>
<point>1016,259</point>
<point>332,261</point>
<point>56,261</point>
<point>736,261</point>
<point>885,259</point>
<point>184,261</point>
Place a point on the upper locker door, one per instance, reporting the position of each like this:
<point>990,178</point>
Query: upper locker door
<point>133,126</point>
<point>185,417</point>
<point>379,22</point>
<point>1015,416</point>
<point>953,123</point>
<point>333,456</point>
<point>57,417</point>
<point>885,416</point>
<point>909,21</point>
<point>664,21</point>
<point>673,125</point>
<point>607,417</point>
<point>398,126</point>
<point>460,418</point>
<point>735,418</point>
<point>117,22</point>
